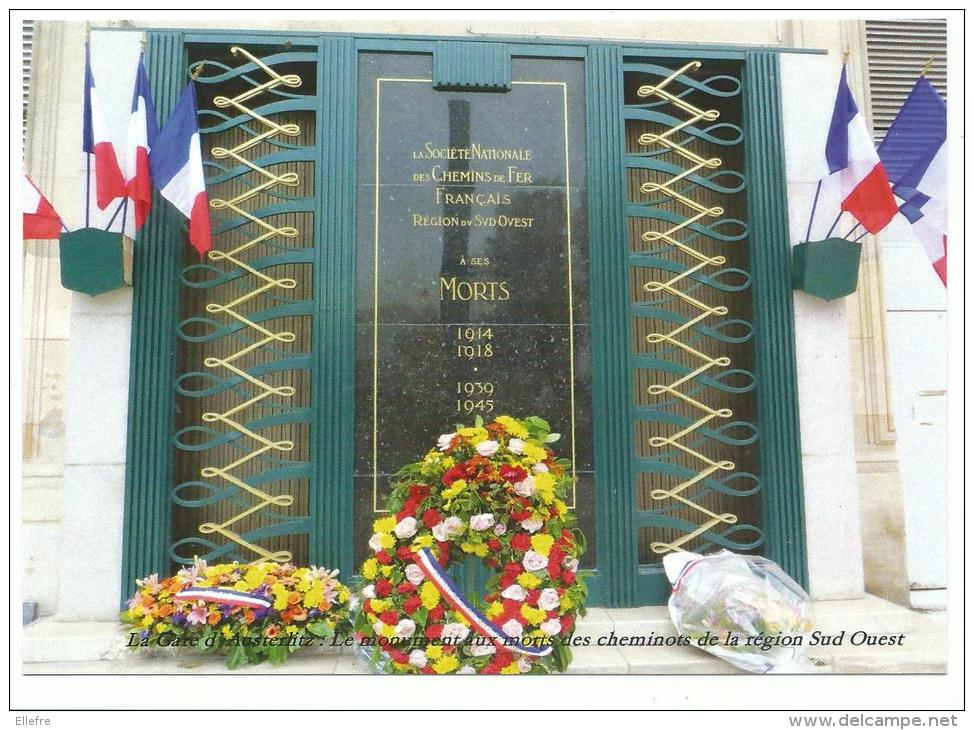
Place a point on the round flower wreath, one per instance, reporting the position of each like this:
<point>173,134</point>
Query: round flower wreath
<point>497,492</point>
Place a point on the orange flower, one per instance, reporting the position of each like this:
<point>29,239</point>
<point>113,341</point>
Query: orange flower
<point>324,605</point>
<point>167,610</point>
<point>270,579</point>
<point>299,615</point>
<point>214,618</point>
<point>293,598</point>
<point>272,631</point>
<point>249,616</point>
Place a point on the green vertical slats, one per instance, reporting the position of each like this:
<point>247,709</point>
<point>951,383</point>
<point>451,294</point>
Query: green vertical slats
<point>780,455</point>
<point>608,274</point>
<point>152,363</point>
<point>333,392</point>
<point>472,65</point>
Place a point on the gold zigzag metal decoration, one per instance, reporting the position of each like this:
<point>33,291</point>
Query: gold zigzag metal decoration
<point>708,465</point>
<point>232,417</point>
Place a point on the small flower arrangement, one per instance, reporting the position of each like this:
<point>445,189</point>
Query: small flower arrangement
<point>256,612</point>
<point>493,491</point>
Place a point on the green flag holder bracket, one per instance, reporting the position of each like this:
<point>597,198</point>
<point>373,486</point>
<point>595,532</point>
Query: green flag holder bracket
<point>826,269</point>
<point>94,261</point>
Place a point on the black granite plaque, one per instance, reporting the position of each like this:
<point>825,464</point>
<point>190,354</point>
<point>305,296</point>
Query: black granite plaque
<point>472,296</point>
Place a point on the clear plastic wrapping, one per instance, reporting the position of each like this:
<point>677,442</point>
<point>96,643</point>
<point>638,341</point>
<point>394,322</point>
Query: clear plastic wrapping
<point>742,608</point>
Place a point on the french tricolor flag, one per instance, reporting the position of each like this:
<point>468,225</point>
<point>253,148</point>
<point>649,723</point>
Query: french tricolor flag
<point>96,144</point>
<point>177,168</point>
<point>41,221</point>
<point>915,154</point>
<point>853,174</point>
<point>142,133</point>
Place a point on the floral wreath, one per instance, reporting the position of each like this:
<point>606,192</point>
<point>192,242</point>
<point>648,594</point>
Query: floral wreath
<point>495,492</point>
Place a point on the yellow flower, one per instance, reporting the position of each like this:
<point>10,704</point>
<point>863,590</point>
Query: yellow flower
<point>542,543</point>
<point>534,452</point>
<point>453,490</point>
<point>315,596</point>
<point>513,426</point>
<point>560,508</point>
<point>529,580</point>
<point>533,615</point>
<point>227,632</point>
<point>423,541</point>
<point>370,568</point>
<point>380,604</point>
<point>434,651</point>
<point>279,591</point>
<point>496,609</point>
<point>386,524</point>
<point>344,594</point>
<point>511,668</point>
<point>146,622</point>
<point>474,434</point>
<point>386,570</point>
<point>291,630</point>
<point>160,628</point>
<point>479,549</point>
<point>386,540</point>
<point>446,664</point>
<point>429,594</point>
<point>387,631</point>
<point>566,602</point>
<point>544,487</point>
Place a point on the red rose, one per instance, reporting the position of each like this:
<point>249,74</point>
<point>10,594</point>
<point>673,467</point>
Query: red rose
<point>397,656</point>
<point>404,553</point>
<point>491,563</point>
<point>405,587</point>
<point>389,617</point>
<point>436,613</point>
<point>433,631</point>
<point>367,606</point>
<point>521,541</point>
<point>521,515</point>
<point>383,557</point>
<point>514,569</point>
<point>494,544</point>
<point>554,568</point>
<point>503,658</point>
<point>412,604</point>
<point>506,581</point>
<point>452,475</point>
<point>419,492</point>
<point>568,577</point>
<point>408,510</point>
<point>567,622</point>
<point>383,587</point>
<point>431,518</point>
<point>513,474</point>
<point>533,595</point>
<point>552,613</point>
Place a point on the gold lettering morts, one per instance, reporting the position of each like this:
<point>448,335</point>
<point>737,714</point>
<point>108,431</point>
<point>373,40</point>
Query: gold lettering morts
<point>456,289</point>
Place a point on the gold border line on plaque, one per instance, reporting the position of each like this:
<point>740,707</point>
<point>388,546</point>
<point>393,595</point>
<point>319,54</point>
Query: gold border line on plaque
<point>375,284</point>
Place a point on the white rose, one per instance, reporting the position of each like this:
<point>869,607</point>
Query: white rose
<point>406,528</point>
<point>548,599</point>
<point>439,532</point>
<point>570,563</point>
<point>369,591</point>
<point>453,525</point>
<point>413,574</point>
<point>525,487</point>
<point>417,657</point>
<point>513,628</point>
<point>466,670</point>
<point>514,592</point>
<point>532,525</point>
<point>524,664</point>
<point>539,468</point>
<point>500,528</point>
<point>515,446</point>
<point>487,448</point>
<point>552,627</point>
<point>482,522</point>
<point>534,561</point>
<point>443,442</point>
<point>377,627</point>
<point>405,628</point>
<point>454,631</point>
<point>374,543</point>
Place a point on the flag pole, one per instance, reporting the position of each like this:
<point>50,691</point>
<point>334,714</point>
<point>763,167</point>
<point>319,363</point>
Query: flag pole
<point>808,232</point>
<point>115,214</point>
<point>87,102</point>
<point>846,236</point>
<point>834,224</point>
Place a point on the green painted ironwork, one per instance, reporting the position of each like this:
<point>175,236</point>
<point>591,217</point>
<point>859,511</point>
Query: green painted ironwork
<point>608,286</point>
<point>333,396</point>
<point>777,390</point>
<point>152,365</point>
<point>472,66</point>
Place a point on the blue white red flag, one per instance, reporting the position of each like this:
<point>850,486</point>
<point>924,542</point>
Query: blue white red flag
<point>41,221</point>
<point>142,133</point>
<point>177,168</point>
<point>97,146</point>
<point>914,152</point>
<point>853,176</point>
